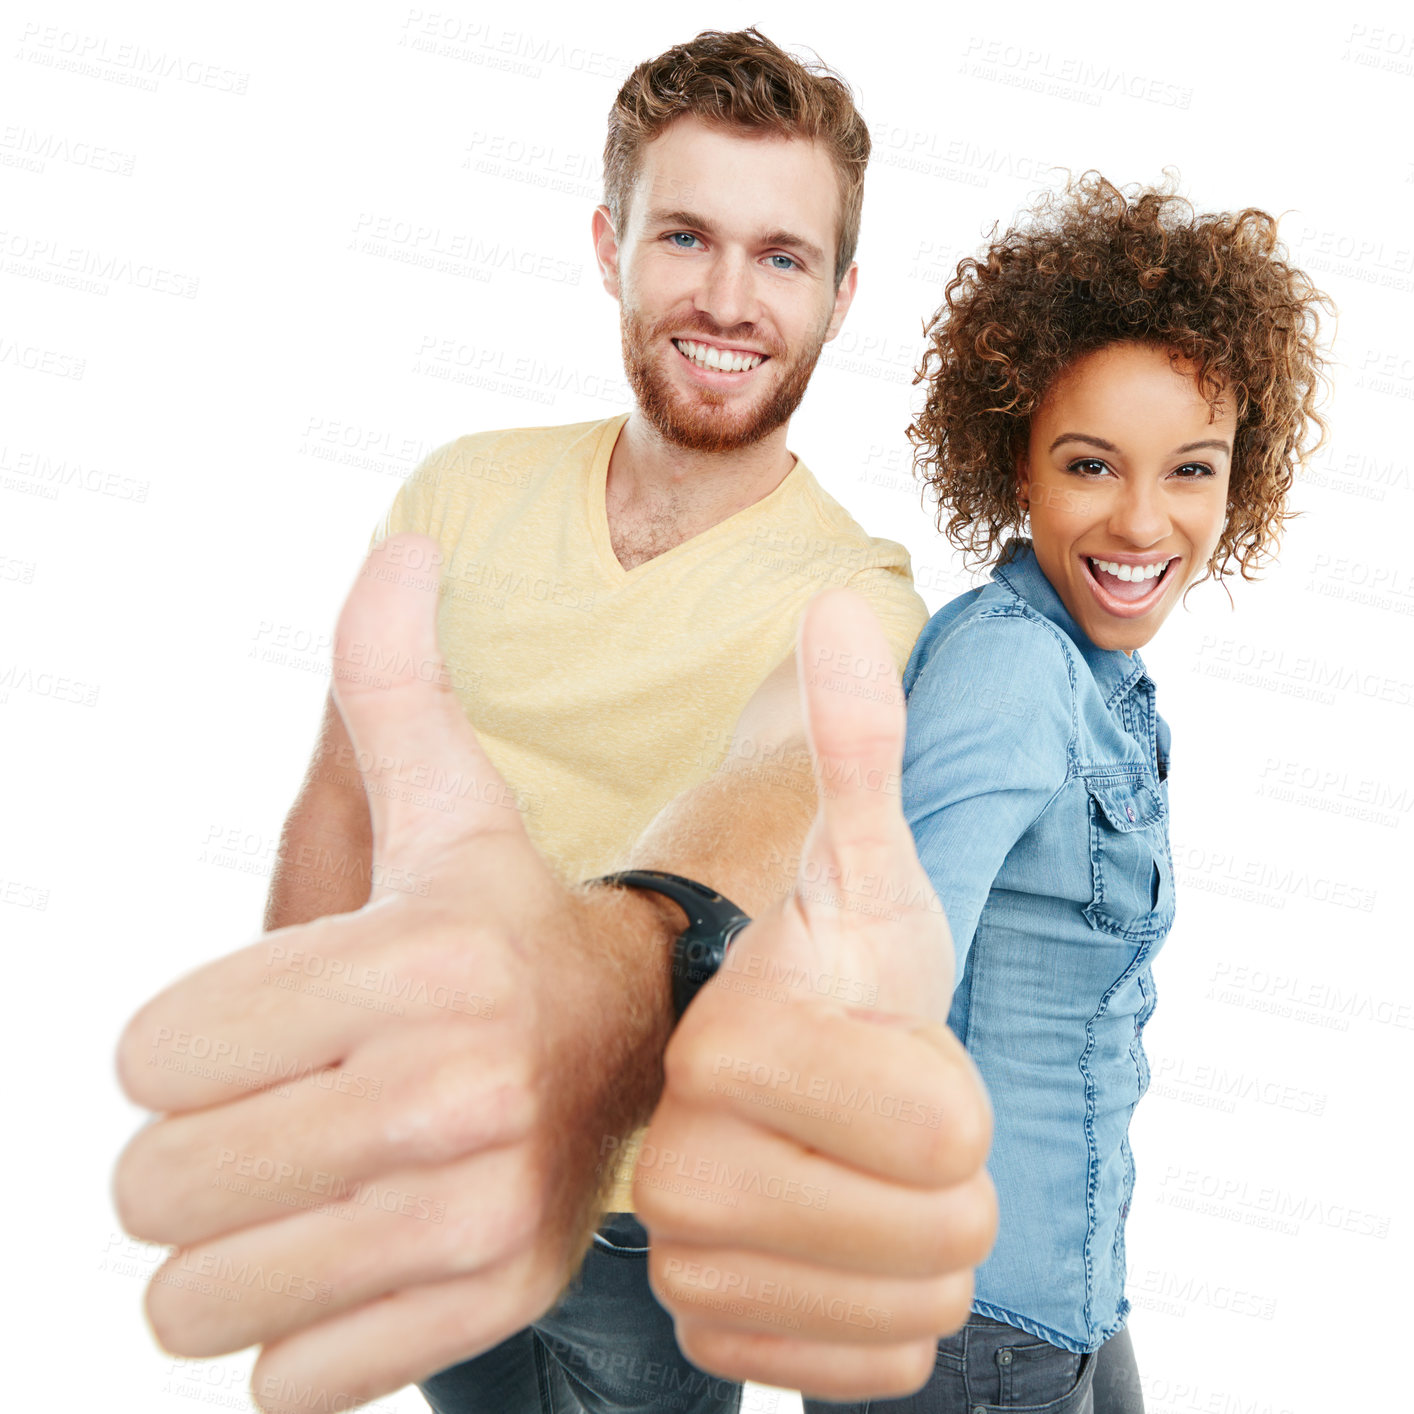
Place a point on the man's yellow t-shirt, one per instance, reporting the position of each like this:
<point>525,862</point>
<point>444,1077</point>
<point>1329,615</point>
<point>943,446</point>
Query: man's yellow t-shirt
<point>602,693</point>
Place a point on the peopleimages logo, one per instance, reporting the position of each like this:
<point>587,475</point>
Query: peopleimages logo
<point>736,1288</point>
<point>783,1084</point>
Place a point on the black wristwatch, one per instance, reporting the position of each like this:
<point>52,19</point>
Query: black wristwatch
<point>712,923</point>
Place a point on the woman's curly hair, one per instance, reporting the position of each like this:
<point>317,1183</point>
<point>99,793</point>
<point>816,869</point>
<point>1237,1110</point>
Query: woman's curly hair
<point>1094,265</point>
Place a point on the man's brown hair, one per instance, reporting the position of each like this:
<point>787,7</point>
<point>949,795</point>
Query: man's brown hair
<point>739,80</point>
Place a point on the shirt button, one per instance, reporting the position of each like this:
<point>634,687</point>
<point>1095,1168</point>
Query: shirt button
<point>1129,810</point>
<point>1005,1357</point>
<point>979,1409</point>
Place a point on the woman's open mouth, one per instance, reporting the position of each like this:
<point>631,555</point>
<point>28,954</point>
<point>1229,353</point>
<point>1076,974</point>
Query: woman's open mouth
<point>1125,588</point>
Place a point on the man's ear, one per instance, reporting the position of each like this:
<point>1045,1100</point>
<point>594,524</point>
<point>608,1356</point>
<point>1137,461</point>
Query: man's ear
<point>606,249</point>
<point>844,297</point>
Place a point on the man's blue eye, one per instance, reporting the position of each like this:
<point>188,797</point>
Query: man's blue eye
<point>789,263</point>
<point>679,237</point>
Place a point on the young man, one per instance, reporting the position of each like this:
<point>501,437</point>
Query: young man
<point>618,613</point>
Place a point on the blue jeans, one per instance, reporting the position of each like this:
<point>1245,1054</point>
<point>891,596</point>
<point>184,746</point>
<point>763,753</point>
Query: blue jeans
<point>607,1347</point>
<point>989,1366</point>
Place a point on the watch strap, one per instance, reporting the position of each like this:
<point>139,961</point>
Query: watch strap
<point>712,922</point>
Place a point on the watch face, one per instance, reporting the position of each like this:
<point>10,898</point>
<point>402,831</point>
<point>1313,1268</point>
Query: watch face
<point>696,958</point>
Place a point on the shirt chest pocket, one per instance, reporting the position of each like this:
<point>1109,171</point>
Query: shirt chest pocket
<point>1129,859</point>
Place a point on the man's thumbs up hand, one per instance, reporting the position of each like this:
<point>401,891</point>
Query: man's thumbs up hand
<point>381,1129</point>
<point>813,1178</point>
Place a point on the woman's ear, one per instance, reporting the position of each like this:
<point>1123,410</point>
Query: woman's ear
<point>1023,479</point>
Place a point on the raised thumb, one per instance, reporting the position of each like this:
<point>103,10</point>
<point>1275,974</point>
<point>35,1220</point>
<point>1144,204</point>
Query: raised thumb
<point>871,912</point>
<point>427,778</point>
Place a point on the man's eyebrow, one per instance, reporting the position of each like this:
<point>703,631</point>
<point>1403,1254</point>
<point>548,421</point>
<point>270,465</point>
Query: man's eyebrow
<point>791,241</point>
<point>679,218</point>
<point>694,221</point>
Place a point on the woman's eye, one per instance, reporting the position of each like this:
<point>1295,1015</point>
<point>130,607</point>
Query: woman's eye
<point>1088,466</point>
<point>1192,471</point>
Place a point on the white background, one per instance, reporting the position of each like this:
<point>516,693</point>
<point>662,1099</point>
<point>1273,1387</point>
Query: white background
<point>197,443</point>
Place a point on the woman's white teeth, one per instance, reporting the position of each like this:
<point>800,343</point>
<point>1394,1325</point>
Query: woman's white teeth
<point>1130,572</point>
<point>707,356</point>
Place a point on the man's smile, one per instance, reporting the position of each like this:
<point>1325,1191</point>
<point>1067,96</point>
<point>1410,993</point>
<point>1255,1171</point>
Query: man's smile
<point>719,358</point>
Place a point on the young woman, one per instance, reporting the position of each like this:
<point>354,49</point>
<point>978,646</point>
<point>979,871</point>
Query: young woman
<point>1136,382</point>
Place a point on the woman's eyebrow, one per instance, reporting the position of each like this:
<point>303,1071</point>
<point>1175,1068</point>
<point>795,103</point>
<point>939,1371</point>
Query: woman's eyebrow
<point>1083,437</point>
<point>1100,442</point>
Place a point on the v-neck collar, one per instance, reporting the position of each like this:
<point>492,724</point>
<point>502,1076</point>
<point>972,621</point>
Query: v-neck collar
<point>597,509</point>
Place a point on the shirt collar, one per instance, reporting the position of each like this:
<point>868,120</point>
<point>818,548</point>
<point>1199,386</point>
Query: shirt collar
<point>1019,570</point>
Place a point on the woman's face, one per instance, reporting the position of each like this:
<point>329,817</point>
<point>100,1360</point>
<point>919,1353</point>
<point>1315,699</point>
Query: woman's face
<point>1126,475</point>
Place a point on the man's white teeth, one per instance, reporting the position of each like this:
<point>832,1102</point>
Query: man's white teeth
<point>1130,572</point>
<point>707,356</point>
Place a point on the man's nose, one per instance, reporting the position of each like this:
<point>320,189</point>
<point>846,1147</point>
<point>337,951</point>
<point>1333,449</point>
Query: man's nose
<point>728,294</point>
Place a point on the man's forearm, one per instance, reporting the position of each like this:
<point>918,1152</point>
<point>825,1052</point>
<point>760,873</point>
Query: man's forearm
<point>318,871</point>
<point>742,829</point>
<point>740,832</point>
<point>325,859</point>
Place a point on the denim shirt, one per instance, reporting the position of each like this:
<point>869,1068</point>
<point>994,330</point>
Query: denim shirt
<point>1035,782</point>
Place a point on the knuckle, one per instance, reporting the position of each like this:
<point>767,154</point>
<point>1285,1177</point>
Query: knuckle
<point>957,1314</point>
<point>667,1276</point>
<point>529,1195</point>
<point>962,1228</point>
<point>459,1103</point>
<point>648,1204</point>
<point>466,1241</point>
<point>710,1348</point>
<point>691,1060</point>
<point>974,1118</point>
<point>661,1209</point>
<point>912,1368</point>
<point>680,1062</point>
<point>657,1279</point>
<point>958,1230</point>
<point>978,1219</point>
<point>444,952</point>
<point>957,1149</point>
<point>949,1304</point>
<point>935,1241</point>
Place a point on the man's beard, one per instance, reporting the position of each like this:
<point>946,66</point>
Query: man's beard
<point>701,421</point>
